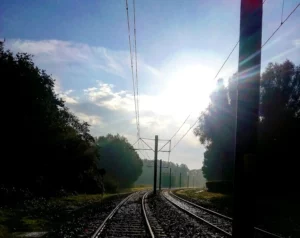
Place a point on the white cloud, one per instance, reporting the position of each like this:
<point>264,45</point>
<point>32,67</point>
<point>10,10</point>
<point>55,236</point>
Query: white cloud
<point>111,110</point>
<point>104,96</point>
<point>92,120</point>
<point>64,52</point>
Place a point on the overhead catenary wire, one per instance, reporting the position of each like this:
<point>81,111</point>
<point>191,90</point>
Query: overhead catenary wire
<point>169,141</point>
<point>234,47</point>
<point>184,134</point>
<point>222,66</point>
<point>136,70</point>
<point>281,24</point>
<point>132,71</point>
<point>260,48</point>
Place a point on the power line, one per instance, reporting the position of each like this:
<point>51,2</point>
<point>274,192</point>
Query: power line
<point>280,25</point>
<point>228,58</point>
<point>261,48</point>
<point>136,69</point>
<point>169,141</point>
<point>237,43</point>
<point>184,134</point>
<point>132,73</point>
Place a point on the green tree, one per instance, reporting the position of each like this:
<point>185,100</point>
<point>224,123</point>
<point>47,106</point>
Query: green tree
<point>119,159</point>
<point>279,126</point>
<point>51,148</point>
<point>216,132</point>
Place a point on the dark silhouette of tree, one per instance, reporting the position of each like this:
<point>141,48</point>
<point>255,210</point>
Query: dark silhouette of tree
<point>279,129</point>
<point>50,148</point>
<point>216,132</point>
<point>121,162</point>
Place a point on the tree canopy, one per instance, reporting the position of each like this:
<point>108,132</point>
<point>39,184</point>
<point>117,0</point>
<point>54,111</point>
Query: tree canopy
<point>121,162</point>
<point>216,132</point>
<point>279,126</point>
<point>195,175</point>
<point>51,148</point>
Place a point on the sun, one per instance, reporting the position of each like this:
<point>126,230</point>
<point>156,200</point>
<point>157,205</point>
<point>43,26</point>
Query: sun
<point>188,89</point>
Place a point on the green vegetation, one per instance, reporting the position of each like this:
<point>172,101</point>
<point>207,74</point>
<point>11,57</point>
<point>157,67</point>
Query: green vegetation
<point>41,214</point>
<point>220,186</point>
<point>53,149</point>
<point>195,175</point>
<point>283,220</point>
<point>279,129</point>
<point>52,155</point>
<point>222,202</point>
<point>55,154</point>
<point>120,161</point>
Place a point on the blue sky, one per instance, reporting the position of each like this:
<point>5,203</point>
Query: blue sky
<point>181,45</point>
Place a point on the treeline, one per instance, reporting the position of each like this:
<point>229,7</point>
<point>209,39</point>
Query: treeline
<point>47,149</point>
<point>193,177</point>
<point>279,129</point>
<point>120,161</point>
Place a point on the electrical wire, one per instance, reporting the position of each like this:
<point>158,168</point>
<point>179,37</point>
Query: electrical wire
<point>261,48</point>
<point>281,24</point>
<point>237,43</point>
<point>184,135</point>
<point>136,69</point>
<point>222,66</point>
<point>132,72</point>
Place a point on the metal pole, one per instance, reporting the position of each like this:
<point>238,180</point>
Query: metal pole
<point>160,165</point>
<point>180,180</point>
<point>155,164</point>
<point>170,181</point>
<point>193,181</point>
<point>247,117</point>
<point>188,181</point>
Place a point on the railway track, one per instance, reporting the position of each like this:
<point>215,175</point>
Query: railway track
<point>219,222</point>
<point>128,219</point>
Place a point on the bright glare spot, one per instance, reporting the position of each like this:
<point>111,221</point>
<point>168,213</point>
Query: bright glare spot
<point>188,90</point>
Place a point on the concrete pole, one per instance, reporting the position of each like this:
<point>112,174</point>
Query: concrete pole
<point>155,164</point>
<point>170,177</point>
<point>160,165</point>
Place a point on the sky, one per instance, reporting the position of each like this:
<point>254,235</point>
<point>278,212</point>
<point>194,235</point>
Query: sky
<point>180,47</point>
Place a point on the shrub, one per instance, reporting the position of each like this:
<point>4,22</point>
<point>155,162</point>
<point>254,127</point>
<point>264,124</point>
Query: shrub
<point>220,186</point>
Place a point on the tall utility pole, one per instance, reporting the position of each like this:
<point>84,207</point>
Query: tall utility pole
<point>155,164</point>
<point>194,181</point>
<point>188,183</point>
<point>180,180</point>
<point>170,181</point>
<point>160,168</point>
<point>247,117</point>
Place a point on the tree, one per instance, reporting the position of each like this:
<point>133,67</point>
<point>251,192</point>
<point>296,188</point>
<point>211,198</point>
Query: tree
<point>50,148</point>
<point>279,129</point>
<point>121,162</point>
<point>146,177</point>
<point>216,132</point>
<point>279,126</point>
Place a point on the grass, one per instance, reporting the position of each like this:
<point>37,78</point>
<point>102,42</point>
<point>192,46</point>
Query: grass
<point>278,213</point>
<point>42,215</point>
<point>222,202</point>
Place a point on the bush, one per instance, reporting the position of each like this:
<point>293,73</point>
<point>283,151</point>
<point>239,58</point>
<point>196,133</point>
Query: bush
<point>111,184</point>
<point>220,186</point>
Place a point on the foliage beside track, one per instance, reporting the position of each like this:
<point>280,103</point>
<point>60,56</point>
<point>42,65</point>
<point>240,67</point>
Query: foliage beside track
<point>45,214</point>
